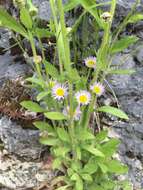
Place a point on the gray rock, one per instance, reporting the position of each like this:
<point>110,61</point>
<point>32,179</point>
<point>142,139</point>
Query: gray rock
<point>44,9</point>
<point>130,85</point>
<point>5,35</point>
<point>18,141</point>
<point>129,90</point>
<point>10,69</point>
<point>18,175</point>
<point>139,54</point>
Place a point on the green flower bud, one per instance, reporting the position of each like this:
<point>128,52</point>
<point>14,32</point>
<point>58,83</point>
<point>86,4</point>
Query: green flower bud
<point>19,3</point>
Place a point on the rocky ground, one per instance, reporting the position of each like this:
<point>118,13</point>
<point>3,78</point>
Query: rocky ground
<point>21,163</point>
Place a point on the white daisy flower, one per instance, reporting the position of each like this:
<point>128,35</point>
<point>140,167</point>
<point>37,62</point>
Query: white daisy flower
<point>90,62</point>
<point>97,88</point>
<point>59,91</point>
<point>83,97</point>
<point>76,115</point>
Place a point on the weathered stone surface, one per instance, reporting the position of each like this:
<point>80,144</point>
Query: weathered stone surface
<point>18,175</point>
<point>129,90</point>
<point>10,69</point>
<point>4,38</point>
<point>18,141</point>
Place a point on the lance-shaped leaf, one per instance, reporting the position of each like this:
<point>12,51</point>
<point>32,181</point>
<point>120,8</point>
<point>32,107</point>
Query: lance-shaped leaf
<point>114,111</point>
<point>32,106</point>
<point>9,22</point>
<point>135,18</point>
<point>26,18</point>
<point>122,44</point>
<point>55,116</point>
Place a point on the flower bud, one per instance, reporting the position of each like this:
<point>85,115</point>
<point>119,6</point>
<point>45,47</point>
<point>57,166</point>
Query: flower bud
<point>19,3</point>
<point>37,59</point>
<point>106,16</point>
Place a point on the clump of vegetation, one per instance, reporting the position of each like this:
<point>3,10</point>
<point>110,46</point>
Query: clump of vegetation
<point>68,93</point>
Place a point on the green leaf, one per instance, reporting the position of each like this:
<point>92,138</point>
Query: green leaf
<point>57,163</point>
<point>78,152</point>
<point>55,116</point>
<point>62,151</point>
<point>43,126</point>
<point>90,167</point>
<point>26,18</point>
<point>116,167</point>
<point>52,70</point>
<point>99,137</point>
<point>73,75</point>
<point>114,111</point>
<point>122,71</point>
<point>110,147</point>
<point>63,135</point>
<point>49,141</point>
<point>76,166</point>
<point>63,187</point>
<point>42,95</point>
<point>122,44</point>
<point>87,177</point>
<point>42,33</point>
<point>135,18</point>
<point>74,177</point>
<point>32,106</point>
<point>71,4</point>
<point>85,135</point>
<point>103,167</point>
<point>35,81</point>
<point>79,184</point>
<point>93,150</point>
<point>8,21</point>
<point>88,4</point>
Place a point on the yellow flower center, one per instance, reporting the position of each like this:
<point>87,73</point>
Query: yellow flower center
<point>60,92</point>
<point>97,90</point>
<point>91,63</point>
<point>83,99</point>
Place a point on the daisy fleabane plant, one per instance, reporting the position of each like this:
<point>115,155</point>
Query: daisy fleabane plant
<point>97,88</point>
<point>59,91</point>
<point>90,62</point>
<point>83,97</point>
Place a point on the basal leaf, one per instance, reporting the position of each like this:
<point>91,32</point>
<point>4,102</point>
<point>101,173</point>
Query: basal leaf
<point>114,111</point>
<point>55,116</point>
<point>49,141</point>
<point>103,167</point>
<point>63,134</point>
<point>43,126</point>
<point>87,177</point>
<point>90,168</point>
<point>32,106</point>
<point>93,150</point>
<point>116,167</point>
